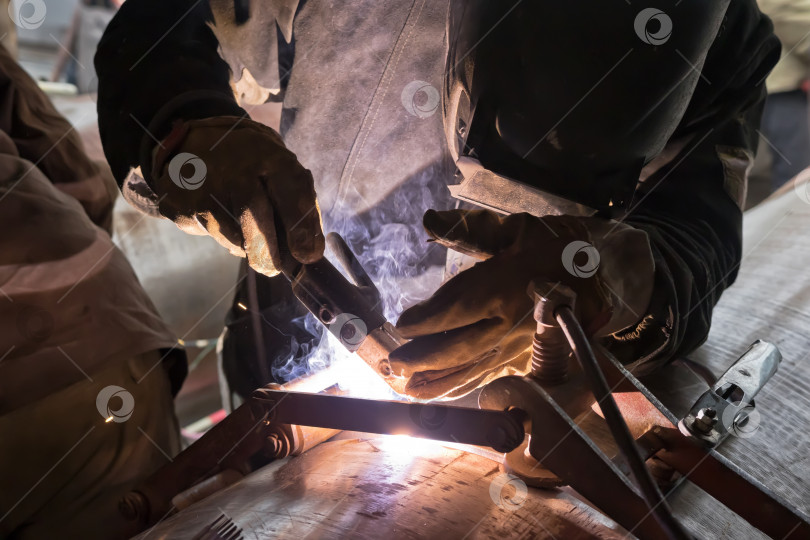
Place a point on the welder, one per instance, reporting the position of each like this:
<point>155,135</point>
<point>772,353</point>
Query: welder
<point>608,144</point>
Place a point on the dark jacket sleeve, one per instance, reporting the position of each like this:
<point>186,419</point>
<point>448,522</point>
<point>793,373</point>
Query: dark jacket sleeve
<point>691,206</point>
<point>157,62</point>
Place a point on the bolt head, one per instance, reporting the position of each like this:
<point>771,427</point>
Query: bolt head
<point>705,420</point>
<point>547,298</point>
<point>384,367</point>
<point>348,331</point>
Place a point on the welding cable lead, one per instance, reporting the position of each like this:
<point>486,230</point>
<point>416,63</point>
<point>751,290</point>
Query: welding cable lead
<point>583,352</point>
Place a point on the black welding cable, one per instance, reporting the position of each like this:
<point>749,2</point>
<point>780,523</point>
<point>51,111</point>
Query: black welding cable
<point>599,386</point>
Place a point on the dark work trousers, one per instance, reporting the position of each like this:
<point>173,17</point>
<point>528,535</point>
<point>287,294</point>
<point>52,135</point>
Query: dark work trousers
<point>786,130</point>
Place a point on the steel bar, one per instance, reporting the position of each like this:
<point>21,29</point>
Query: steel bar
<point>731,485</point>
<point>501,430</point>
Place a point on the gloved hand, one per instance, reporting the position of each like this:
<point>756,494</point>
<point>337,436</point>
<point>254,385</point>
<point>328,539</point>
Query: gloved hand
<point>479,325</point>
<point>234,179</point>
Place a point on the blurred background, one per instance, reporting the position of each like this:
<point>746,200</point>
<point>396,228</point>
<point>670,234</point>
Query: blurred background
<point>784,134</point>
<point>55,41</point>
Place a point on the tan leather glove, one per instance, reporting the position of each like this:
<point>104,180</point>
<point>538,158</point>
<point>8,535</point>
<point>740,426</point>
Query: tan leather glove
<point>479,325</point>
<point>234,179</point>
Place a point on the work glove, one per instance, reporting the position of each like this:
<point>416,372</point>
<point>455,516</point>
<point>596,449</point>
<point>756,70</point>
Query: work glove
<point>479,325</point>
<point>233,179</point>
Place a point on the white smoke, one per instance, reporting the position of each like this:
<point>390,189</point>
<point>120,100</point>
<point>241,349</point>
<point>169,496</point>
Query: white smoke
<point>392,247</point>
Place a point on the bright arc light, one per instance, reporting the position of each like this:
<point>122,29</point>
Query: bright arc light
<point>354,376</point>
<point>403,448</point>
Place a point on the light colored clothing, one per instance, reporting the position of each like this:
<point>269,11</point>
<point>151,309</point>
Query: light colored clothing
<point>63,469</point>
<point>74,320</point>
<point>791,21</point>
<point>8,31</point>
<point>70,301</point>
<point>68,294</point>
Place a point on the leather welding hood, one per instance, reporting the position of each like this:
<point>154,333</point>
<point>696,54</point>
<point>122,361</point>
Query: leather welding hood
<point>569,99</point>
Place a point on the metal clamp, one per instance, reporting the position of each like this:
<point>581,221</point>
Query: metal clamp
<point>728,406</point>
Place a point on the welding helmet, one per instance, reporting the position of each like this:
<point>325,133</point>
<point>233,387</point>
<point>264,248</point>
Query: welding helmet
<point>555,107</point>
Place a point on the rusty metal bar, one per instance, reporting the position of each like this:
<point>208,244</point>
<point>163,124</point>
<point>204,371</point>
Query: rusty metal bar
<point>227,445</point>
<point>224,446</point>
<point>730,485</point>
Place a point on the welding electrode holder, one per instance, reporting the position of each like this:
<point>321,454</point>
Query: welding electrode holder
<point>352,312</point>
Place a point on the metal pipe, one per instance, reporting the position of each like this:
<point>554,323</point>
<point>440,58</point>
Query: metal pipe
<point>293,440</point>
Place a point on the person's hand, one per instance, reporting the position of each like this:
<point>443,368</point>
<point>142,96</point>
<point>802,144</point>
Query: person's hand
<point>479,325</point>
<point>234,179</point>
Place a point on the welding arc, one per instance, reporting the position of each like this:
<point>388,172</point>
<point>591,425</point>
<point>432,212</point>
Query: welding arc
<point>618,428</point>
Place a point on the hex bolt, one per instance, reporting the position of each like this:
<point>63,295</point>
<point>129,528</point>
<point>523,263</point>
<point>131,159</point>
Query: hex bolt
<point>550,347</point>
<point>705,420</point>
<point>384,367</point>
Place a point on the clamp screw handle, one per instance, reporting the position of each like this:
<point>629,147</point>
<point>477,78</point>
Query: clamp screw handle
<point>550,347</point>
